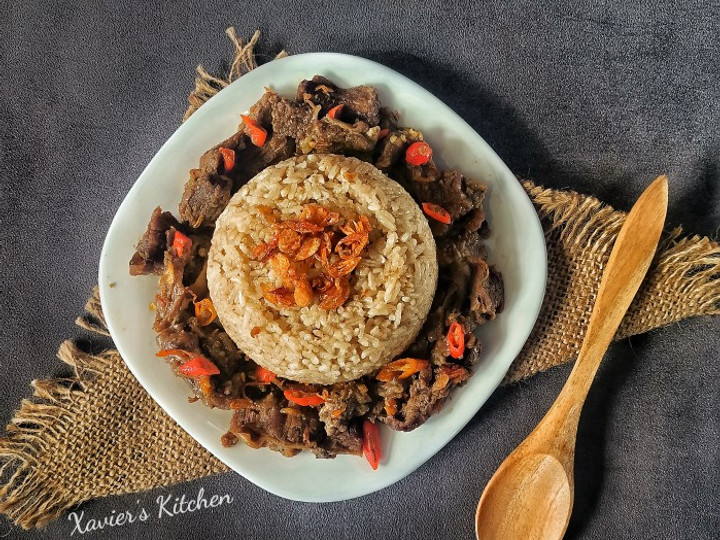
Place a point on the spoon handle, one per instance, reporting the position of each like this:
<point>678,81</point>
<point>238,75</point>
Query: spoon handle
<point>628,263</point>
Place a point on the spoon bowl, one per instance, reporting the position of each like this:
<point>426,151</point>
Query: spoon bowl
<point>535,484</point>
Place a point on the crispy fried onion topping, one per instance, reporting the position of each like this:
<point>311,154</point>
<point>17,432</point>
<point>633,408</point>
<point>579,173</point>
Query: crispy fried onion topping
<point>313,255</point>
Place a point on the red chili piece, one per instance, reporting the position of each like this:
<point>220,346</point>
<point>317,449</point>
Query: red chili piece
<point>264,375</point>
<point>257,133</point>
<point>418,153</point>
<point>228,156</point>
<point>182,244</point>
<point>198,367</point>
<point>456,340</point>
<point>306,399</point>
<point>335,112</point>
<point>371,444</point>
<point>437,212</point>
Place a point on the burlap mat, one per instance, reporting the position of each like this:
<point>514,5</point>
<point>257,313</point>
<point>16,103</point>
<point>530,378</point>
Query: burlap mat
<point>98,433</point>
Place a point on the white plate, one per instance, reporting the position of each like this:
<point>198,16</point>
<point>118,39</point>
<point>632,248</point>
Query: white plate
<point>516,246</point>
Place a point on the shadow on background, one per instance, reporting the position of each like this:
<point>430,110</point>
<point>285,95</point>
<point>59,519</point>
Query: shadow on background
<point>695,209</point>
<point>592,431</point>
<point>496,122</point>
<point>527,157</point>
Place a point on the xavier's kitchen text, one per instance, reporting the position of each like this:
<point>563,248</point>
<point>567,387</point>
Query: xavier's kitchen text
<point>166,506</point>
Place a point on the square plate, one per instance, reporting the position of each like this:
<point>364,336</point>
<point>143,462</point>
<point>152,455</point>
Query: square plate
<point>516,246</point>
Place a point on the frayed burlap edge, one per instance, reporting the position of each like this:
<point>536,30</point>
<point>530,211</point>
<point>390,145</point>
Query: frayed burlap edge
<point>244,60</point>
<point>40,435</point>
<point>27,495</point>
<point>31,498</point>
<point>683,280</point>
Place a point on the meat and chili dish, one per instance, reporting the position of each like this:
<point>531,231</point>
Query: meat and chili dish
<point>324,275</point>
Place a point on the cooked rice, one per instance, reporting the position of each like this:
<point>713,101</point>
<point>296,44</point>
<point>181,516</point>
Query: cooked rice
<point>392,287</point>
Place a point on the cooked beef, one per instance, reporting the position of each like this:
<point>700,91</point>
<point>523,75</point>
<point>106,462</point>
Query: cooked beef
<point>473,349</point>
<point>299,121</point>
<point>427,395</point>
<point>320,91</point>
<point>362,103</point>
<point>177,337</point>
<point>266,422</point>
<point>212,161</point>
<point>199,285</point>
<point>343,401</point>
<point>392,393</point>
<point>150,250</point>
<point>348,441</point>
<point>205,197</point>
<point>440,353</point>
<point>172,298</point>
<point>328,136</point>
<point>423,174</point>
<point>471,294</point>
<point>258,421</point>
<point>196,263</point>
<point>486,293</point>
<point>496,288</point>
<point>391,149</point>
<point>359,102</point>
<point>301,428</point>
<point>288,428</point>
<point>219,348</point>
<point>293,119</point>
<point>454,282</point>
<point>254,159</point>
<point>459,247</point>
<point>249,159</point>
<point>262,110</point>
<point>461,197</point>
<point>389,119</point>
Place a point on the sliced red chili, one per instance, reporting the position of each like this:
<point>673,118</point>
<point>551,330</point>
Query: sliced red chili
<point>228,156</point>
<point>335,112</point>
<point>418,153</point>
<point>180,353</point>
<point>199,366</point>
<point>437,212</point>
<point>371,443</point>
<point>456,340</point>
<point>264,375</point>
<point>205,312</point>
<point>401,369</point>
<point>257,134</point>
<point>182,244</point>
<point>306,399</point>
<point>383,133</point>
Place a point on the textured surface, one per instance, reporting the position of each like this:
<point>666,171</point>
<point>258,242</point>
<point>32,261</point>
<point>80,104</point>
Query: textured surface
<point>599,98</point>
<point>324,346</point>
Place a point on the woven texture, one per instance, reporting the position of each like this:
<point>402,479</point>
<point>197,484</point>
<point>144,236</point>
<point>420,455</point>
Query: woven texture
<point>98,433</point>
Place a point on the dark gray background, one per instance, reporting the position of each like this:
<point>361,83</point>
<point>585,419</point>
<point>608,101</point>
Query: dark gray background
<point>593,95</point>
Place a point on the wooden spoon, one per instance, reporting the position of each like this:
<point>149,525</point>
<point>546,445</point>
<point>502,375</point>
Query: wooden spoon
<point>531,495</point>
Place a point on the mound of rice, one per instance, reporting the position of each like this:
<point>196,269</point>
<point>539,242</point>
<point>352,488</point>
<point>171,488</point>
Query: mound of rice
<point>392,287</point>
